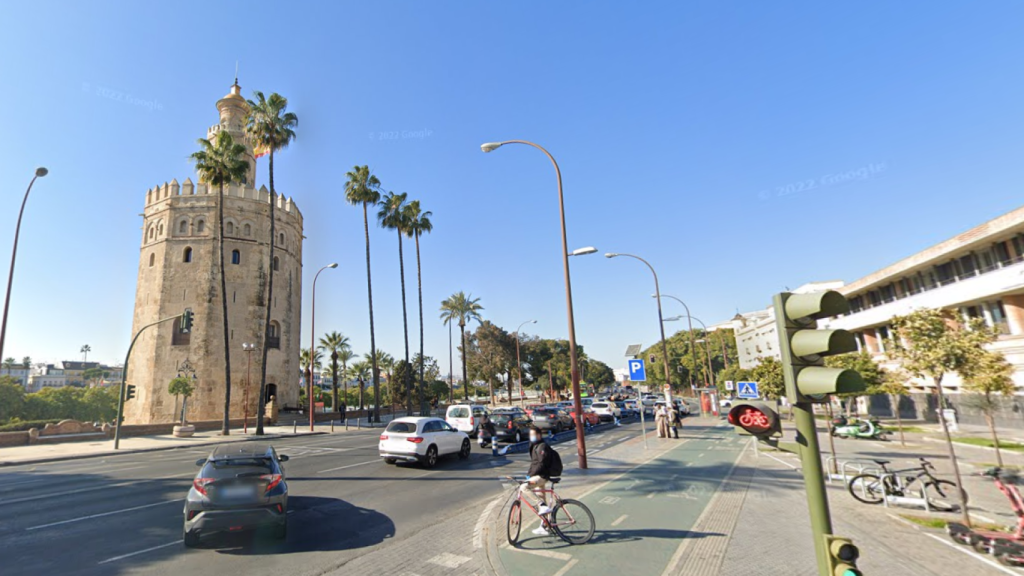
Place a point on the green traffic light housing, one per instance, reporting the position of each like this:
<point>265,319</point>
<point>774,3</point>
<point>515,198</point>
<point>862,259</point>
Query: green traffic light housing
<point>842,556</point>
<point>129,392</point>
<point>186,321</point>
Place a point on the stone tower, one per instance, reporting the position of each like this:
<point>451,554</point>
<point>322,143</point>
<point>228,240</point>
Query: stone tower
<point>178,270</point>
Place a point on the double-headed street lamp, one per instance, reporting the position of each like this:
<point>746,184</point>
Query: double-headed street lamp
<point>40,172</point>
<point>689,323</point>
<point>312,345</point>
<point>519,363</point>
<point>581,448</point>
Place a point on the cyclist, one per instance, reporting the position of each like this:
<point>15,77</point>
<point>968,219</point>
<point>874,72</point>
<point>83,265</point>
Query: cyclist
<point>540,472</point>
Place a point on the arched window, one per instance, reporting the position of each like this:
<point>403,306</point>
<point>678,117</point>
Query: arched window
<point>186,256</point>
<point>183,227</point>
<point>247,230</point>
<point>274,338</point>
<point>236,257</point>
<point>200,226</point>
<point>230,228</point>
<point>277,263</point>
<point>160,229</point>
<point>282,239</point>
<point>152,260</point>
<point>152,232</point>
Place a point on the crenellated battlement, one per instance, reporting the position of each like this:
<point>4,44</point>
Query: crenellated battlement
<point>172,189</point>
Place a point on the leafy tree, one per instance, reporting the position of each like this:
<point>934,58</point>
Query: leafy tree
<point>493,355</point>
<point>271,129</point>
<point>9,364</point>
<point>95,375</point>
<point>987,377</point>
<point>893,385</point>
<point>463,308</point>
<point>393,216</point>
<point>865,365</point>
<point>769,378</point>
<point>360,372</point>
<point>12,399</point>
<point>26,362</point>
<point>363,188</point>
<point>599,374</point>
<point>183,387</point>
<point>732,374</point>
<point>222,162</point>
<point>418,223</point>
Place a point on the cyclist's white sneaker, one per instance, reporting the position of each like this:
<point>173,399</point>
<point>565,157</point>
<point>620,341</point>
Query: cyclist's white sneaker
<point>541,531</point>
<point>543,509</point>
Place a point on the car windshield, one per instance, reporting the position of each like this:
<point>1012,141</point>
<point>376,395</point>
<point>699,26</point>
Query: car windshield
<point>458,412</point>
<point>501,419</point>
<point>402,428</point>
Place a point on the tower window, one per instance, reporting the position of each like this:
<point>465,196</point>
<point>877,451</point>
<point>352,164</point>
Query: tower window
<point>277,263</point>
<point>247,230</point>
<point>183,227</point>
<point>230,228</point>
<point>152,232</point>
<point>282,239</point>
<point>186,256</point>
<point>236,257</point>
<point>274,335</point>
<point>152,260</point>
<point>160,229</point>
<point>201,227</point>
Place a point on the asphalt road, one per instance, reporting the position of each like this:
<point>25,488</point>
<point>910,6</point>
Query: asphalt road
<point>123,514</point>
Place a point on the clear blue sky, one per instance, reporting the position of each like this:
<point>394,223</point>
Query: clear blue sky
<point>673,122</point>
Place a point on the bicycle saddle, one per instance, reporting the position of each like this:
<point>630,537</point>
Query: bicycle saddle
<point>554,480</point>
<point>881,462</point>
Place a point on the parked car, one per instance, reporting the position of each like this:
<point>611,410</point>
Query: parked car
<point>565,405</point>
<point>511,426</point>
<point>552,419</point>
<point>422,439</point>
<point>628,408</point>
<point>237,487</point>
<point>589,417</point>
<point>725,402</point>
<point>531,407</point>
<point>465,417</point>
<point>606,411</point>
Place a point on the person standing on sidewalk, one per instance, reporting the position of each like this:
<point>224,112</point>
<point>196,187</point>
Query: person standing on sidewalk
<point>673,420</point>
<point>660,422</point>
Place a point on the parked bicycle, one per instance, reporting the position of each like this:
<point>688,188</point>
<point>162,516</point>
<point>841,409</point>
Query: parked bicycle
<point>570,519</point>
<point>873,489</point>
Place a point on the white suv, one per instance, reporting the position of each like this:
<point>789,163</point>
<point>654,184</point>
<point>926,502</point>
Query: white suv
<point>465,417</point>
<point>421,439</point>
<point>607,410</point>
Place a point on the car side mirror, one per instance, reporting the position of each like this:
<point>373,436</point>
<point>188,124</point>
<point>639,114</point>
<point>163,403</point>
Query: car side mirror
<point>283,458</point>
<point>201,461</point>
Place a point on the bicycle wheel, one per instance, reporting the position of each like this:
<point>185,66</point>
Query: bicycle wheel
<point>515,517</point>
<point>866,488</point>
<point>941,495</point>
<point>573,522</point>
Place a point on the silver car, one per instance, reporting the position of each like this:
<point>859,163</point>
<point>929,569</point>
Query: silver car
<point>239,487</point>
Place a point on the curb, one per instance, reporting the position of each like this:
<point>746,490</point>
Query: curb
<point>153,449</point>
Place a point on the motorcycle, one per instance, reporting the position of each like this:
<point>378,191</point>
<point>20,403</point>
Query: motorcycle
<point>854,428</point>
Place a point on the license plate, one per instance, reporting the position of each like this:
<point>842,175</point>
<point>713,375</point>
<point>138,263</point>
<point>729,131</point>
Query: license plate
<point>237,492</point>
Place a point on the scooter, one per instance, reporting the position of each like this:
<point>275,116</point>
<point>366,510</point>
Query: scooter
<point>1007,547</point>
<point>854,428</point>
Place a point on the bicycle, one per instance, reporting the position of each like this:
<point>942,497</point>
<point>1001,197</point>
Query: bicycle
<point>570,519</point>
<point>873,489</point>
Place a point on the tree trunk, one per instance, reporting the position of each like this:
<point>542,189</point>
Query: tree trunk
<point>225,425</point>
<point>465,378</point>
<point>899,419</point>
<point>424,409</point>
<point>832,440</point>
<point>344,384</point>
<point>952,453</point>
<point>373,342</point>
<point>451,366</point>
<point>405,327</point>
<point>261,404</point>
<point>508,384</point>
<point>991,421</point>
<point>361,395</point>
<point>334,383</point>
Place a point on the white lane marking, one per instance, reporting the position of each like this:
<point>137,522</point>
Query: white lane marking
<point>539,552</point>
<point>589,452</point>
<point>974,554</point>
<point>567,567</point>
<point>619,520</point>
<point>701,455</point>
<point>609,500</point>
<point>349,466</point>
<point>449,560</point>
<point>779,461</point>
<point>111,513</point>
<point>481,523</point>
<point>136,553</point>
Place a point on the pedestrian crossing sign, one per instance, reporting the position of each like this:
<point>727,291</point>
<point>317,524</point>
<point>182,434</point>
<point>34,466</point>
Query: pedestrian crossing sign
<point>747,390</point>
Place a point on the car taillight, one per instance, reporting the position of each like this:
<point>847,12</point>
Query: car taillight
<point>509,424</point>
<point>272,481</point>
<point>414,439</point>
<point>383,436</point>
<point>471,421</point>
<point>200,484</point>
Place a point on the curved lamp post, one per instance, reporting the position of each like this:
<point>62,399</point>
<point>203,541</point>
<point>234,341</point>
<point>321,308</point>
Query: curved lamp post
<point>581,448</point>
<point>40,172</point>
<point>312,345</point>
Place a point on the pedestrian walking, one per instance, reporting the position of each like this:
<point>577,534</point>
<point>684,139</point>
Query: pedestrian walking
<point>486,432</point>
<point>673,420</point>
<point>661,421</point>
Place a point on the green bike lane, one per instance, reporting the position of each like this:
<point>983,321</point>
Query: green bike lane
<point>642,517</point>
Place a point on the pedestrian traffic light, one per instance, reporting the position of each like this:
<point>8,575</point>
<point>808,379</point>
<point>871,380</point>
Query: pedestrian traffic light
<point>842,556</point>
<point>803,347</point>
<point>755,418</point>
<point>186,321</point>
<point>129,392</point>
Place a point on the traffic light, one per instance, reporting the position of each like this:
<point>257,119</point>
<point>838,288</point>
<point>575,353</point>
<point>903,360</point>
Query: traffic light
<point>842,556</point>
<point>652,358</point>
<point>755,418</point>
<point>129,392</point>
<point>803,347</point>
<point>186,321</point>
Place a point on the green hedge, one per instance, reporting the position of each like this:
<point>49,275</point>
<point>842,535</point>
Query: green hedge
<point>22,426</point>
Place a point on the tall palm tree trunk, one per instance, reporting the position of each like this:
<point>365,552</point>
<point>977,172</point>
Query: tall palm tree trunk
<point>344,383</point>
<point>405,326</point>
<point>261,404</point>
<point>465,378</point>
<point>451,375</point>
<point>373,342</point>
<point>424,410</point>
<point>225,425</point>
<point>334,382</point>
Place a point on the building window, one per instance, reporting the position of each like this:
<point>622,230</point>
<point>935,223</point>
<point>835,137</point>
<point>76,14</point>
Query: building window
<point>274,337</point>
<point>152,232</point>
<point>282,239</point>
<point>887,293</point>
<point>186,256</point>
<point>236,257</point>
<point>200,226</point>
<point>230,228</point>
<point>247,230</point>
<point>277,263</point>
<point>1002,253</point>
<point>160,229</point>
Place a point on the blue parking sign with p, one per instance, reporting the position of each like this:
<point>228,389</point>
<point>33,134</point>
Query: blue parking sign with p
<point>637,373</point>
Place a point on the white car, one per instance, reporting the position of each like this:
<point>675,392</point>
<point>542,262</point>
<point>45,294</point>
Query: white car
<point>422,439</point>
<point>465,417</point>
<point>606,410</point>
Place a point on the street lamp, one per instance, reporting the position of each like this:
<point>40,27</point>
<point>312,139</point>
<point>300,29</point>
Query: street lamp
<point>40,172</point>
<point>581,448</point>
<point>661,322</point>
<point>707,352</point>
<point>583,251</point>
<point>519,363</point>
<point>248,348</point>
<point>693,348</point>
<point>312,345</point>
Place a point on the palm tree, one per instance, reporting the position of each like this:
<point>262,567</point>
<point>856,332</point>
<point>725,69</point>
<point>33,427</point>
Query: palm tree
<point>271,129</point>
<point>392,216</point>
<point>385,365</point>
<point>360,371</point>
<point>26,362</point>
<point>465,308</point>
<point>418,223</point>
<point>85,353</point>
<point>335,342</point>
<point>220,163</point>
<point>345,356</point>
<point>364,188</point>
<point>9,364</point>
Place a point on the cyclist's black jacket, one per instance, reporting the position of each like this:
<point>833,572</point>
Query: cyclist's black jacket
<point>540,460</point>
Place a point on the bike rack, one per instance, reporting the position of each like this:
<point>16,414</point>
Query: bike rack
<point>906,500</point>
<point>849,468</point>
